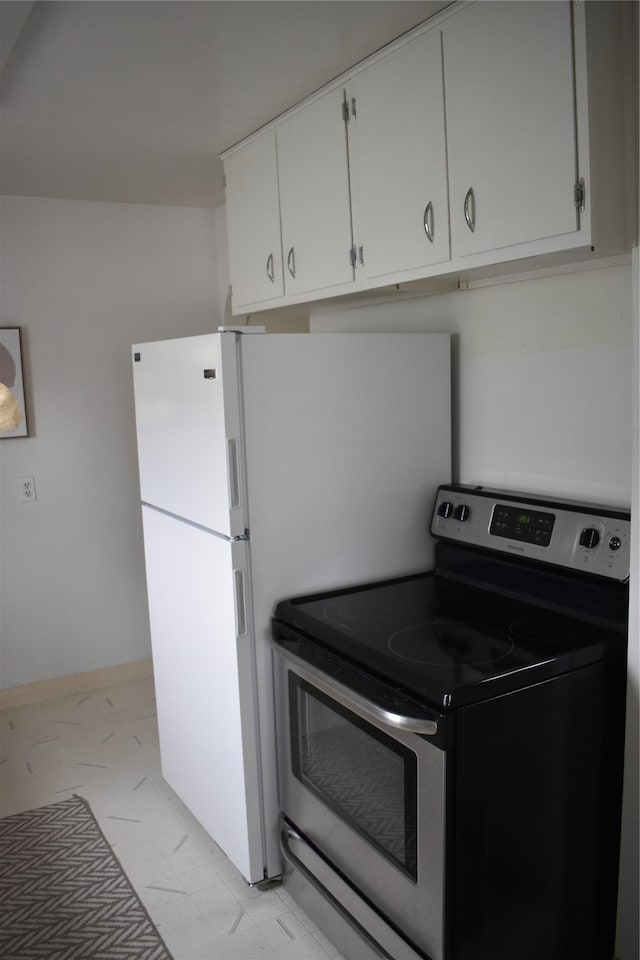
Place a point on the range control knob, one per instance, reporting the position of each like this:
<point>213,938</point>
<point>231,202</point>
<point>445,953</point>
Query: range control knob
<point>615,543</point>
<point>461,512</point>
<point>445,509</point>
<point>589,538</point>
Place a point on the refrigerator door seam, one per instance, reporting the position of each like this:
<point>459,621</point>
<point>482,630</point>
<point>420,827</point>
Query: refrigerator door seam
<point>198,526</point>
<point>267,864</point>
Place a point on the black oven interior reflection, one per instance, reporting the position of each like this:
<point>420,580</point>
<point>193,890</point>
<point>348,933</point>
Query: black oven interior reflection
<point>365,777</point>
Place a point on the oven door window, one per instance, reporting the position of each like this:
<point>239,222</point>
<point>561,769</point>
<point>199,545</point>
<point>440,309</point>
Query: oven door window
<point>363,775</point>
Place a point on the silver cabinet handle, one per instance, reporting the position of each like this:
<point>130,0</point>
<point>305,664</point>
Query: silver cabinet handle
<point>427,221</point>
<point>470,209</point>
<point>269,265</point>
<point>291,262</point>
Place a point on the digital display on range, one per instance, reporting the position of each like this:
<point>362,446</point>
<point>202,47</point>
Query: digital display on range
<point>511,522</point>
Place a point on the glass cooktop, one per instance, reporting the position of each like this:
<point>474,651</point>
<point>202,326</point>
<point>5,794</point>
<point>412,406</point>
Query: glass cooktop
<point>443,642</point>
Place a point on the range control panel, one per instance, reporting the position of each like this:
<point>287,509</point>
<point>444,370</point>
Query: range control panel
<point>581,536</point>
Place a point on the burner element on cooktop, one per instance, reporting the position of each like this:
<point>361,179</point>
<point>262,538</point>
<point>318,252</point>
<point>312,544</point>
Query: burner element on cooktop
<point>449,643</point>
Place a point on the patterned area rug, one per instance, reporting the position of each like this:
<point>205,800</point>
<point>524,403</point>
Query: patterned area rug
<point>63,894</point>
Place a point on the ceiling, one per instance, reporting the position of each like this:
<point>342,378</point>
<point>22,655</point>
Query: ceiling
<point>133,101</point>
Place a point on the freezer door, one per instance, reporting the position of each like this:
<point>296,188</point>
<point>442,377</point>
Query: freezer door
<point>188,425</point>
<point>203,666</point>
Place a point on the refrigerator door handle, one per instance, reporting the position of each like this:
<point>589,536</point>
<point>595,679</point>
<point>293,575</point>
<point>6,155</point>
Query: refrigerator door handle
<point>240,597</point>
<point>234,473</point>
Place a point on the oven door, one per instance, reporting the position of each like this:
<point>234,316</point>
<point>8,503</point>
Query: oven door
<point>367,795</point>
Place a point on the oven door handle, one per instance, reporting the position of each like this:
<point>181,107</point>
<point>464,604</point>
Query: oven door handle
<point>350,699</point>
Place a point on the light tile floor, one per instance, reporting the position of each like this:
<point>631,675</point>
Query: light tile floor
<point>103,746</point>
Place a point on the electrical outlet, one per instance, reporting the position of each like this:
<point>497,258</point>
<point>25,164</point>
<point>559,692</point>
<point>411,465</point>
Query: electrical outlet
<point>27,489</point>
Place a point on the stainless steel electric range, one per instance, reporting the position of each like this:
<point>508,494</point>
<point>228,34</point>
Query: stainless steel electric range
<point>450,744</point>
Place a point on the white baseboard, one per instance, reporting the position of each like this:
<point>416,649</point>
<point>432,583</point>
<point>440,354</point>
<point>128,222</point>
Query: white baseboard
<point>75,683</point>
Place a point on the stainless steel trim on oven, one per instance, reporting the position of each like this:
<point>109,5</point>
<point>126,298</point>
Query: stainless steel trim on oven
<point>349,698</point>
<point>327,730</point>
<point>371,933</point>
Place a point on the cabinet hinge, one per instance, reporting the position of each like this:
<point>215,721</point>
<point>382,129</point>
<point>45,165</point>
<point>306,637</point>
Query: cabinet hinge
<point>579,195</point>
<point>349,109</point>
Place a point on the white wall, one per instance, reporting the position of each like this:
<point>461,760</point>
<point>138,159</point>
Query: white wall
<point>542,378</point>
<point>84,281</point>
<point>544,388</point>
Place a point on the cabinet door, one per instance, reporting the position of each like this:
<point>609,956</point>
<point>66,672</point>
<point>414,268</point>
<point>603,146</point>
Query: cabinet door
<point>510,117</point>
<point>253,222</point>
<point>313,175</point>
<point>398,160</point>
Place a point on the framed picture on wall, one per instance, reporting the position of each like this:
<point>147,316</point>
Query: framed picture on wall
<point>13,413</point>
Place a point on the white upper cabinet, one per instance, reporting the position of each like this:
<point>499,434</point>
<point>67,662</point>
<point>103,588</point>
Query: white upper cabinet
<point>496,136</point>
<point>511,127</point>
<point>313,172</point>
<point>398,160</point>
<point>253,222</point>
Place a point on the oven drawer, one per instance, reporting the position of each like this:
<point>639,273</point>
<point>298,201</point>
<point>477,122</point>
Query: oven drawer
<point>349,922</point>
<point>367,794</point>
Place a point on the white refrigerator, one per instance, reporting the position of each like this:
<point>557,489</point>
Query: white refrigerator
<point>270,465</point>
